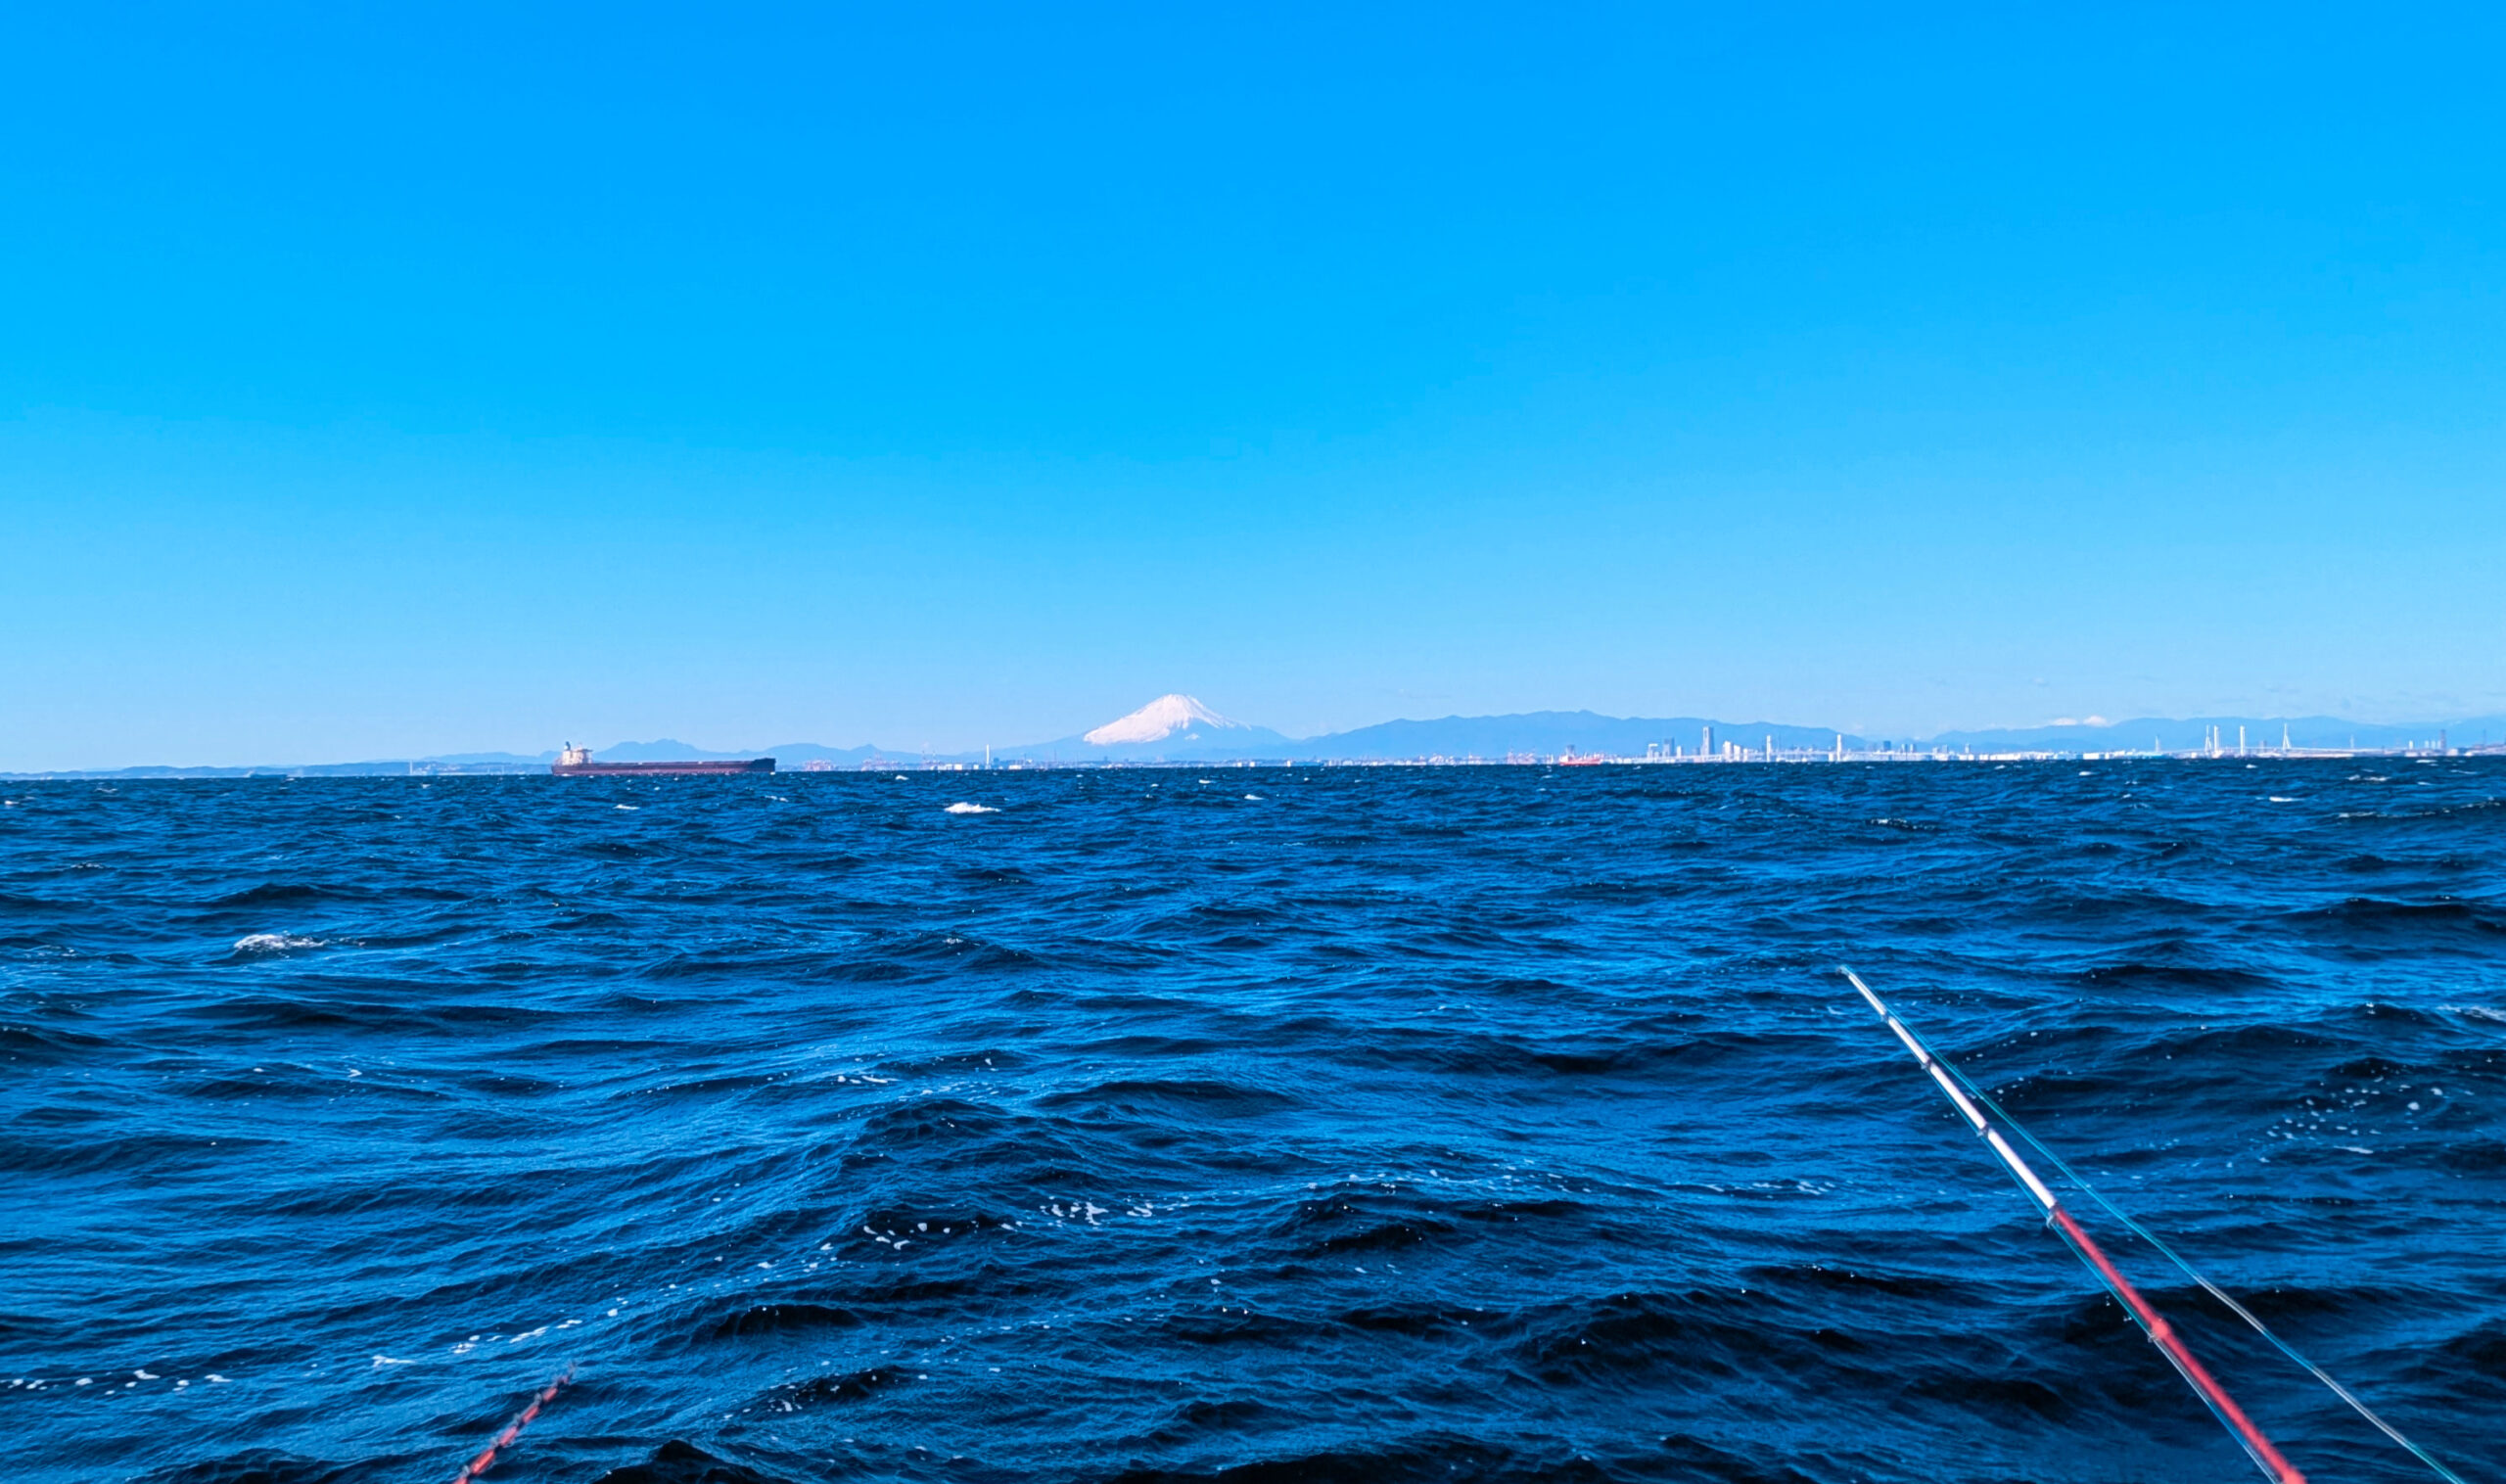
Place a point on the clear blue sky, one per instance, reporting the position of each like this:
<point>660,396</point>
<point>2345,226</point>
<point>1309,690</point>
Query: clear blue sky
<point>391,380</point>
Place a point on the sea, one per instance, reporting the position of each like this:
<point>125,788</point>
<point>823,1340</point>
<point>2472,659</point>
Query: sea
<point>1246,1124</point>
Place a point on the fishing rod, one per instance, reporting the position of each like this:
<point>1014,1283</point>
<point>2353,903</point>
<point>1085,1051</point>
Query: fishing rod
<point>1944,1072</point>
<point>2258,1447</point>
<point>513,1429</point>
<point>2203,1283</point>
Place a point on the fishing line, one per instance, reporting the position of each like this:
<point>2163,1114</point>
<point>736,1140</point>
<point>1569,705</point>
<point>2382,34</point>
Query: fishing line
<point>1938,1065</point>
<point>2203,1281</point>
<point>2266,1456</point>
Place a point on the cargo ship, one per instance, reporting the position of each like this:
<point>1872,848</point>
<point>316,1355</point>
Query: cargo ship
<point>575,763</point>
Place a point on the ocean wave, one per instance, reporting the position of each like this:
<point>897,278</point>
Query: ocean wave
<point>277,892</point>
<point>679,1462</point>
<point>1488,1123</point>
<point>274,942</point>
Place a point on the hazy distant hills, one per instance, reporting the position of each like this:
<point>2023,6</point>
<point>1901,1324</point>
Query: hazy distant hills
<point>2171,735</point>
<point>1552,733</point>
<point>1545,733</point>
<point>1178,728</point>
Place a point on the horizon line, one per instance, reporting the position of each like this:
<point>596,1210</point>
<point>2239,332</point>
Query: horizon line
<point>1138,751</point>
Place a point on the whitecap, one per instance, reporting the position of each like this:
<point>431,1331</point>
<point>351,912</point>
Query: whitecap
<point>274,943</point>
<point>2278,799</point>
<point>962,808</point>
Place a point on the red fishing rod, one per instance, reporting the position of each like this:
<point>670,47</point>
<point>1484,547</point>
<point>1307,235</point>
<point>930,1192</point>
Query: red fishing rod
<point>513,1429</point>
<point>2258,1447</point>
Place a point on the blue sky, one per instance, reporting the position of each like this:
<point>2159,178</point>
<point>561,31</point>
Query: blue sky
<point>379,382</point>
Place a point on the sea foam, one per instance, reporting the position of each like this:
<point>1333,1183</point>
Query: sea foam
<point>274,942</point>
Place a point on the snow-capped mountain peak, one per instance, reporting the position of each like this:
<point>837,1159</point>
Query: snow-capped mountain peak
<point>1158,721</point>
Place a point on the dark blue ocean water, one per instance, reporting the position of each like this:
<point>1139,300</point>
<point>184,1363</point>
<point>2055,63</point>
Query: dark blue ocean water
<point>1259,1124</point>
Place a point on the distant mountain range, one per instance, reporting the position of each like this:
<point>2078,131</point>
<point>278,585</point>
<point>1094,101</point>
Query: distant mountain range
<point>1178,728</point>
<point>1181,730</point>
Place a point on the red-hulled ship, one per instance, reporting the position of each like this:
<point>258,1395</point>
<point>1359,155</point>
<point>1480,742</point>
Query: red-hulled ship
<point>575,763</point>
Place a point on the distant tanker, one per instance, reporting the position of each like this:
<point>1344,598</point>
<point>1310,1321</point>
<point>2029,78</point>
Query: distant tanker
<point>575,763</point>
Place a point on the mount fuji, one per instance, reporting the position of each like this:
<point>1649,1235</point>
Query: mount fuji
<point>1174,727</point>
<point>1160,719</point>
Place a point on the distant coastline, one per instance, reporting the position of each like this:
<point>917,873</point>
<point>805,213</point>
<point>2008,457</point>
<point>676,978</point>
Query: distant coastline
<point>1200,738</point>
